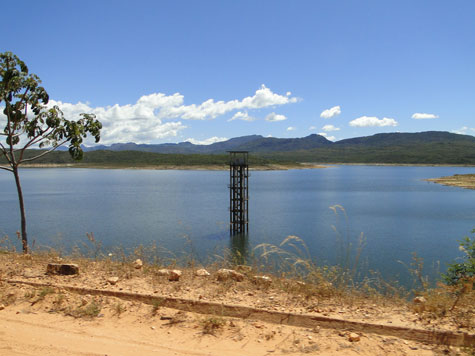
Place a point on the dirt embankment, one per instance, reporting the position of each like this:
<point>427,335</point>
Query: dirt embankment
<point>114,308</point>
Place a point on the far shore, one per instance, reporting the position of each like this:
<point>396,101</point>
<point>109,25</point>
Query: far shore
<point>204,167</point>
<point>216,167</point>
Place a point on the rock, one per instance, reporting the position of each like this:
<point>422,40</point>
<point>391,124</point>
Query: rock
<point>174,275</point>
<point>138,263</point>
<point>353,337</point>
<point>419,304</point>
<point>2,306</point>
<point>113,280</point>
<point>163,272</point>
<point>225,274</point>
<point>419,300</point>
<point>64,269</point>
<point>202,273</point>
<point>265,280</point>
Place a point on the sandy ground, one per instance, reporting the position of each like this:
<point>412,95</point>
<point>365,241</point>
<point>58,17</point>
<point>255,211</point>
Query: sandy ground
<point>38,320</point>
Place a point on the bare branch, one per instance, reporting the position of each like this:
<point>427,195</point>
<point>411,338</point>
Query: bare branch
<point>42,154</point>
<point>6,168</point>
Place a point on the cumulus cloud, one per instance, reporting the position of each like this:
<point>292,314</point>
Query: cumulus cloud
<point>291,128</point>
<point>329,113</point>
<point>137,123</point>
<point>143,121</point>
<point>329,128</point>
<point>208,141</point>
<point>311,128</point>
<point>369,121</point>
<point>242,116</point>
<point>324,134</point>
<point>272,117</point>
<point>465,130</point>
<point>420,115</point>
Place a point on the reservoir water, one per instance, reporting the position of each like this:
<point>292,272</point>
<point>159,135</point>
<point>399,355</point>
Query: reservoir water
<point>181,211</point>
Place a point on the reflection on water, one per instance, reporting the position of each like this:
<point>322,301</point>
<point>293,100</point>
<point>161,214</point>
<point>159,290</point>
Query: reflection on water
<point>239,246</point>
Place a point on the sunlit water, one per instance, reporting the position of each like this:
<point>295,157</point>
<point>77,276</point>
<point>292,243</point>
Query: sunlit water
<point>397,211</point>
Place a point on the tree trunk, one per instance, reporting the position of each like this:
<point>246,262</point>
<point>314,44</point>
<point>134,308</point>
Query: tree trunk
<point>24,238</point>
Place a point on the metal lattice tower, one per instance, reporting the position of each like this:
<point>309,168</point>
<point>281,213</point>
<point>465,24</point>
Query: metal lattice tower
<point>238,191</point>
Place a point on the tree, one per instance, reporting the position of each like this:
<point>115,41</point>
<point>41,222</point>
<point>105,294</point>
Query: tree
<point>30,122</point>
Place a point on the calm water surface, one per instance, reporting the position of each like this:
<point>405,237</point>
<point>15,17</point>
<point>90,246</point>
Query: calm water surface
<point>397,211</point>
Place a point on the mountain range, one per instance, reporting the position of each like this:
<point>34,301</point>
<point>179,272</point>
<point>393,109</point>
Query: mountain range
<point>430,147</point>
<point>260,144</point>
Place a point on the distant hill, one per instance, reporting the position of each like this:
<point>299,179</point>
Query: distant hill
<point>400,138</point>
<point>254,143</point>
<point>431,147</point>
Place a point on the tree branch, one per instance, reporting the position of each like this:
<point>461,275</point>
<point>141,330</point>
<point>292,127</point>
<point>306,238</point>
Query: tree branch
<point>6,168</point>
<point>42,154</point>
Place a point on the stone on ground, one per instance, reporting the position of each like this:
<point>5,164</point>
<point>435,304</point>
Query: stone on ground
<point>174,275</point>
<point>163,272</point>
<point>226,274</point>
<point>113,280</point>
<point>202,273</point>
<point>138,263</point>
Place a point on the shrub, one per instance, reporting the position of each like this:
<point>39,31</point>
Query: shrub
<point>464,271</point>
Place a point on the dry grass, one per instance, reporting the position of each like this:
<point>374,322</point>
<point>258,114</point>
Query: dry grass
<point>87,311</point>
<point>212,325</point>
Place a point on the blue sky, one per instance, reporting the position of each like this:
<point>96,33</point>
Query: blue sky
<point>170,71</point>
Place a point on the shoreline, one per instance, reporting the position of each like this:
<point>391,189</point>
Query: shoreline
<point>204,167</point>
<point>268,167</point>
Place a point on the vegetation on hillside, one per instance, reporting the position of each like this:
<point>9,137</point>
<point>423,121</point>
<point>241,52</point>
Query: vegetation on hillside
<point>392,148</point>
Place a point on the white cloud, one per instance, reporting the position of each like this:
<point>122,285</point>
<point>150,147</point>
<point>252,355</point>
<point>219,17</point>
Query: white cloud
<point>465,130</point>
<point>208,141</point>
<point>329,113</point>
<point>137,123</point>
<point>419,116</point>
<point>329,128</point>
<point>275,117</point>
<point>311,128</point>
<point>242,116</point>
<point>324,134</point>
<point>143,122</point>
<point>291,128</point>
<point>368,121</point>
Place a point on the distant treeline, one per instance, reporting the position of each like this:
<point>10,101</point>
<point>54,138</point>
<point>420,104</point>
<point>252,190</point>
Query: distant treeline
<point>140,159</point>
<point>424,153</point>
